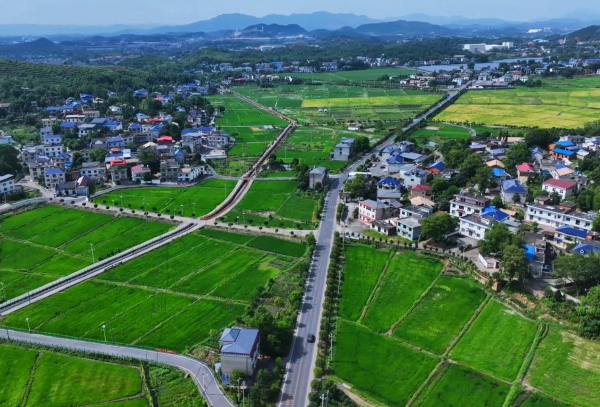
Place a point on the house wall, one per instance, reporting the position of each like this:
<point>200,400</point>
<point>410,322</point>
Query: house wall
<point>472,230</point>
<point>246,364</point>
<point>564,193</point>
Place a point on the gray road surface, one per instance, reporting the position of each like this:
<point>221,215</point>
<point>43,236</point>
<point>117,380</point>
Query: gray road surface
<point>201,374</point>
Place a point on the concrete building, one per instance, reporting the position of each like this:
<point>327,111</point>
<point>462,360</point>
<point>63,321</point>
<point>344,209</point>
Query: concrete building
<point>7,184</point>
<point>563,188</point>
<point>318,175</point>
<point>54,176</point>
<point>94,170</point>
<point>409,228</point>
<point>557,216</point>
<point>343,150</point>
<point>370,210</point>
<point>137,173</point>
<point>464,204</point>
<point>51,139</point>
<point>239,350</point>
<point>416,176</point>
<point>189,174</point>
<point>511,187</point>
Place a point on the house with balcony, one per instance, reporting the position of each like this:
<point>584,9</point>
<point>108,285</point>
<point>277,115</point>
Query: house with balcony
<point>7,184</point>
<point>557,216</point>
<point>511,187</point>
<point>54,176</point>
<point>525,171</point>
<point>369,210</point>
<point>465,204</point>
<point>343,150</point>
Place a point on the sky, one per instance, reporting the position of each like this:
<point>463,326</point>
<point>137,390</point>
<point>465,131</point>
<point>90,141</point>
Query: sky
<point>141,12</point>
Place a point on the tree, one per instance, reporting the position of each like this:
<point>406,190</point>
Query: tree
<point>97,154</point>
<point>147,177</point>
<point>514,263</point>
<point>589,313</point>
<point>149,157</point>
<point>9,160</point>
<point>483,178</point>
<point>516,154</point>
<point>497,238</point>
<point>438,225</point>
<point>541,138</point>
<point>516,198</point>
<point>361,144</point>
<point>497,202</point>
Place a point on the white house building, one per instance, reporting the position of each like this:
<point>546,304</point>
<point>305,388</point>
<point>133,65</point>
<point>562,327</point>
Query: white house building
<point>559,216</point>
<point>7,184</point>
<point>464,204</point>
<point>563,188</point>
<point>239,350</point>
<point>54,176</point>
<point>370,210</point>
<point>343,150</point>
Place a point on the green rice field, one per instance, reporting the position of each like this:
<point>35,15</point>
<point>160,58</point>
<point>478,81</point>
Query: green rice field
<point>340,103</point>
<point>196,201</point>
<point>241,113</point>
<point>156,299</point>
<point>41,245</point>
<point>408,335</point>
<point>32,377</point>
<point>560,103</point>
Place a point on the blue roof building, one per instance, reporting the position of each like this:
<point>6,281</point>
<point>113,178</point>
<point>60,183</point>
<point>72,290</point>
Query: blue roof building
<point>437,166</point>
<point>395,159</point>
<point>560,151</point>
<point>389,182</point>
<point>239,349</point>
<point>511,187</point>
<point>495,214</point>
<point>499,173</point>
<point>565,143</point>
<point>586,247</point>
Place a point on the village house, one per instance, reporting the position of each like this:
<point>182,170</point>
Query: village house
<point>510,188</point>
<point>54,176</point>
<point>343,150</point>
<point>318,175</point>
<point>465,204</point>
<point>525,171</point>
<point>138,171</point>
<point>188,174</point>
<point>563,188</point>
<point>557,216</point>
<point>93,170</point>
<point>389,188</point>
<point>239,350</point>
<point>415,176</point>
<point>369,210</point>
<point>7,184</point>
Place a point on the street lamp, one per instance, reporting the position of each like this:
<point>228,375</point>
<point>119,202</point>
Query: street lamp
<point>92,247</point>
<point>3,292</point>
<point>28,327</point>
<point>104,330</point>
<point>203,385</point>
<point>121,201</point>
<point>182,210</point>
<point>194,204</point>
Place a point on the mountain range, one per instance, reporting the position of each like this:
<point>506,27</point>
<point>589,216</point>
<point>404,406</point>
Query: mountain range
<point>315,21</point>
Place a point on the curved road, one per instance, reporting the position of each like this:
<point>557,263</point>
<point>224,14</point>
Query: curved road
<point>201,374</point>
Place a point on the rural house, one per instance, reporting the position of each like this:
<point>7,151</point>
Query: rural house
<point>239,350</point>
<point>563,188</point>
<point>318,175</point>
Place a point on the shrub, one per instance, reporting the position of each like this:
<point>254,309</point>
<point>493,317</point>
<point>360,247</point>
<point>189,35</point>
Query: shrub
<point>95,205</point>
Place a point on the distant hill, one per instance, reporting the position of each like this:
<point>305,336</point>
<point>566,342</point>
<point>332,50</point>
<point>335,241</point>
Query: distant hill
<point>39,46</point>
<point>273,30</point>
<point>402,27</point>
<point>591,33</point>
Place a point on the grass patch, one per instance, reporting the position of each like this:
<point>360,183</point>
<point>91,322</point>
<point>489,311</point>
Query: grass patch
<point>457,384</point>
<point>537,400</point>
<point>226,236</point>
<point>441,314</point>
<point>382,368</point>
<point>362,269</point>
<point>15,368</point>
<point>408,276</point>
<point>567,367</point>
<point>298,208</point>
<point>243,285</point>
<point>497,342</point>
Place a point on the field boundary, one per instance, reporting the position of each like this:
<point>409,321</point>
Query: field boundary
<point>418,300</point>
<point>376,288</point>
<point>436,374</point>
<point>31,377</point>
<point>467,326</point>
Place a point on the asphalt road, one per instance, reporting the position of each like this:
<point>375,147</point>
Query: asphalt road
<point>303,355</point>
<point>201,374</point>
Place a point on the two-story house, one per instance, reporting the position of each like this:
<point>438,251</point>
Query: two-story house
<point>54,176</point>
<point>239,350</point>
<point>7,184</point>
<point>557,216</point>
<point>343,150</point>
<point>369,210</point>
<point>93,170</point>
<point>564,188</point>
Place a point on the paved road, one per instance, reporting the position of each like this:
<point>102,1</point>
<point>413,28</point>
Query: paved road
<point>201,374</point>
<point>299,369</point>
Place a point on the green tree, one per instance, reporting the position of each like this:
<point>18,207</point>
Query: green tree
<point>541,138</point>
<point>497,202</point>
<point>438,225</point>
<point>97,155</point>
<point>9,160</point>
<point>149,157</point>
<point>589,314</point>
<point>497,238</point>
<point>515,155</point>
<point>361,144</point>
<point>514,263</point>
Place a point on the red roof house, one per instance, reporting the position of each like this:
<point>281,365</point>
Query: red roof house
<point>564,188</point>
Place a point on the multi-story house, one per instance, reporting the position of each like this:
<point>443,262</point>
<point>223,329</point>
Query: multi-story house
<point>93,170</point>
<point>54,176</point>
<point>189,174</point>
<point>239,350</point>
<point>7,184</point>
<point>464,204</point>
<point>558,216</point>
<point>370,210</point>
<point>169,170</point>
<point>564,188</point>
<point>51,139</point>
<point>343,150</point>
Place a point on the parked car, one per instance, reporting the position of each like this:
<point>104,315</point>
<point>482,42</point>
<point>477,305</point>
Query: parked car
<point>311,338</point>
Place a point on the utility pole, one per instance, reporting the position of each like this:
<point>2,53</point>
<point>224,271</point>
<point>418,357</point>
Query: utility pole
<point>104,330</point>
<point>194,204</point>
<point>121,201</point>
<point>28,327</point>
<point>3,292</point>
<point>92,247</point>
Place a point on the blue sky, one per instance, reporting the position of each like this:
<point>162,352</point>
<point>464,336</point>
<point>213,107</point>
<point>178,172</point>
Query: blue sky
<point>140,12</point>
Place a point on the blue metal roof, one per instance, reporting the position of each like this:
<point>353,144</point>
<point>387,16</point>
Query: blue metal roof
<point>586,248</point>
<point>390,181</point>
<point>68,125</point>
<point>572,232</point>
<point>563,152</point>
<point>498,172</point>
<point>529,251</point>
<point>238,340</point>
<point>513,186</point>
<point>561,165</point>
<point>395,160</point>
<point>54,170</point>
<point>496,214</point>
<point>438,165</point>
<point>566,143</point>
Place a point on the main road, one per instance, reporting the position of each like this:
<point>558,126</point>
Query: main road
<point>301,361</point>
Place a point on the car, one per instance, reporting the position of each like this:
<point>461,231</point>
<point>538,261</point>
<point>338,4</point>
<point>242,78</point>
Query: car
<point>311,338</point>
<point>382,166</point>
